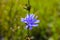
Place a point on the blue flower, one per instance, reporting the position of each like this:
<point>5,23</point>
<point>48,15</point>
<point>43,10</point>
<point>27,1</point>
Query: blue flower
<point>30,20</point>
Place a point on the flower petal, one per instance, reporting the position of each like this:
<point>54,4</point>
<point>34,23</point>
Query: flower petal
<point>30,27</point>
<point>32,16</point>
<point>35,25</point>
<point>37,21</point>
<point>26,26</point>
<point>27,16</point>
<point>23,20</point>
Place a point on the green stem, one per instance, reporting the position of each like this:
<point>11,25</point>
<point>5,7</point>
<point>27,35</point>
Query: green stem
<point>28,8</point>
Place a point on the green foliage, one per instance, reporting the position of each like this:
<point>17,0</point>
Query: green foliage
<point>48,12</point>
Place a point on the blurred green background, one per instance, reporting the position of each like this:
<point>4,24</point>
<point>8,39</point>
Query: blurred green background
<point>11,12</point>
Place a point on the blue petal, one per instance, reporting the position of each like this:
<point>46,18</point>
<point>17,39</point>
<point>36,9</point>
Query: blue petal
<point>34,20</point>
<point>34,25</point>
<point>32,16</point>
<point>23,20</point>
<point>30,27</point>
<point>26,26</point>
<point>27,16</point>
<point>37,21</point>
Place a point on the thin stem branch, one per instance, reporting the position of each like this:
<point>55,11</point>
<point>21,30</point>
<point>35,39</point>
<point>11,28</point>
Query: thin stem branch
<point>29,2</point>
<point>28,8</point>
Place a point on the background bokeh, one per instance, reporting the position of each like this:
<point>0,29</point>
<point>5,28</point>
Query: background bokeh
<point>11,12</point>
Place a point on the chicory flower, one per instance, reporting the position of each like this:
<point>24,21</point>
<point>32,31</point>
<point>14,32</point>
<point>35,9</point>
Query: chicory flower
<point>30,20</point>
